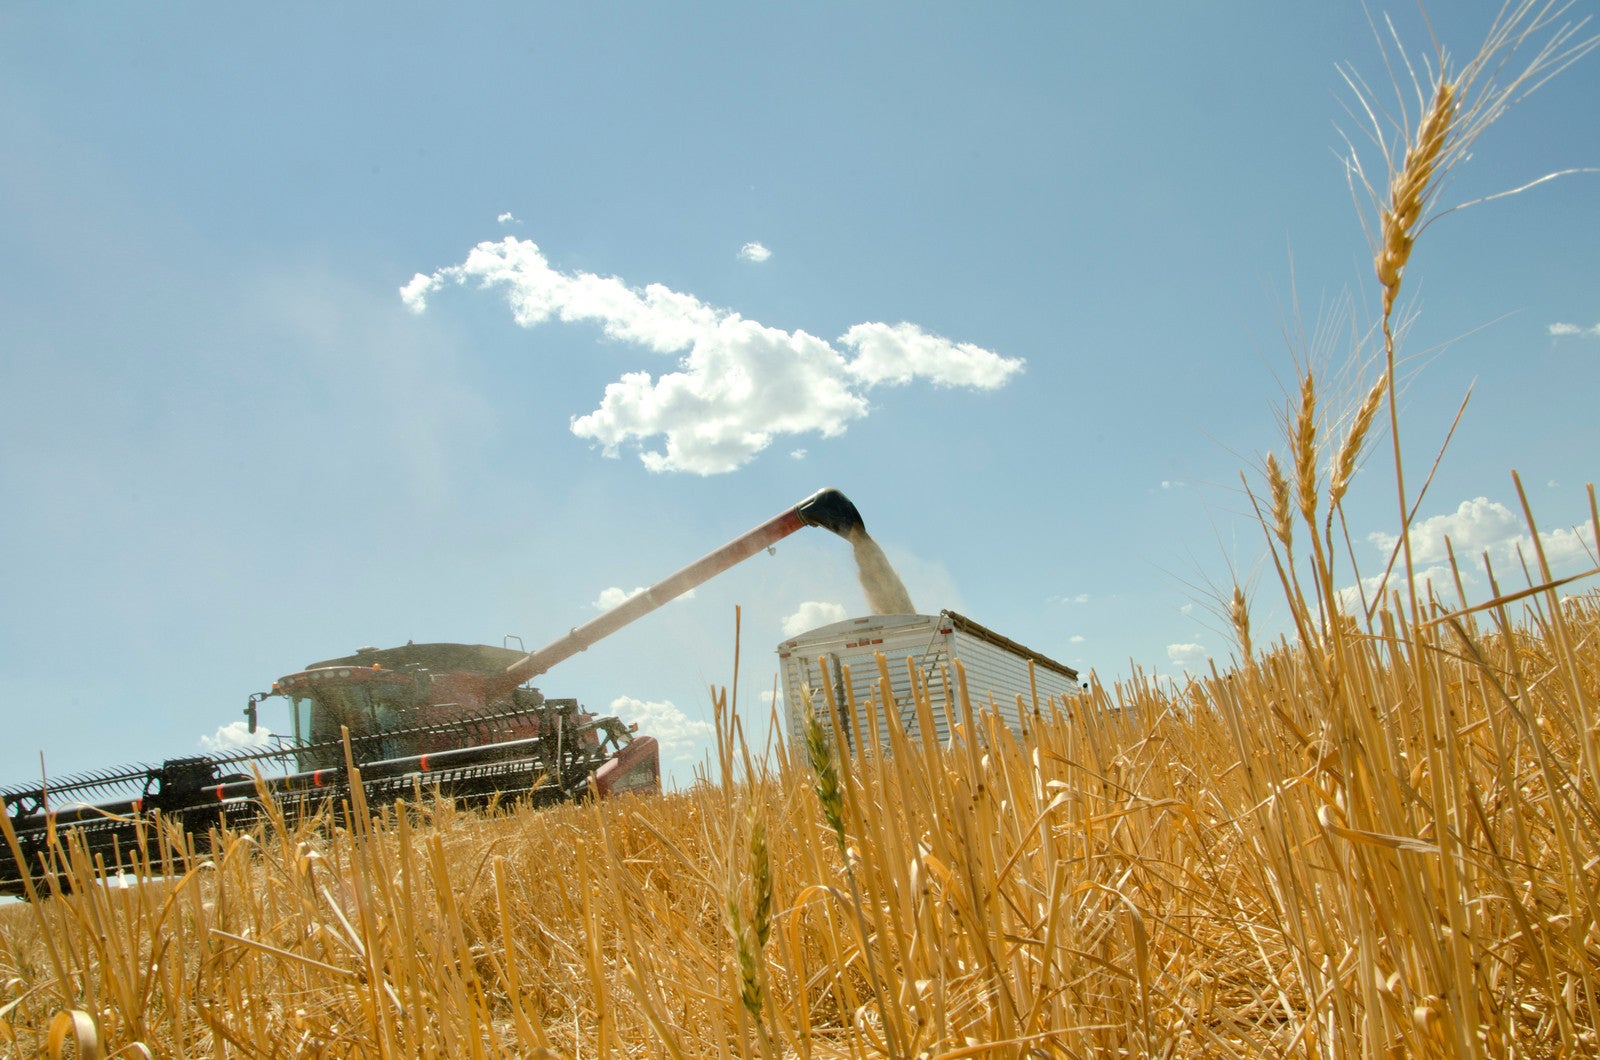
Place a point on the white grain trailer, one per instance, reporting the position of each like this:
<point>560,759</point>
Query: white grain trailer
<point>996,668</point>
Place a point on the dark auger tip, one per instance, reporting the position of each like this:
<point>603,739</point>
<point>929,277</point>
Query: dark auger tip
<point>831,510</point>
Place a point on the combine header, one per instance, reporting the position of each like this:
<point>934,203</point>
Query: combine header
<point>458,719</point>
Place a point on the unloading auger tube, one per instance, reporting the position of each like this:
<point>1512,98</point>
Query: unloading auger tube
<point>827,508</point>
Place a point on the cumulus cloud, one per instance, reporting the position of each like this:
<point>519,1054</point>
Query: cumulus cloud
<point>741,385</point>
<point>811,614</point>
<point>615,596</point>
<point>656,317</point>
<point>236,737</point>
<point>508,218</point>
<point>1186,656</point>
<point>738,384</point>
<point>1483,526</point>
<point>797,454</point>
<point>1436,579</point>
<point>1476,528</point>
<point>754,252</point>
<point>683,739</point>
<point>1076,638</point>
<point>1563,330</point>
<point>899,353</point>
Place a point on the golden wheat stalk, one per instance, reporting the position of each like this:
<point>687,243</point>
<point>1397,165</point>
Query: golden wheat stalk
<point>1278,485</point>
<point>1303,445</point>
<point>1410,191</point>
<point>1458,105</point>
<point>1239,615</point>
<point>1344,461</point>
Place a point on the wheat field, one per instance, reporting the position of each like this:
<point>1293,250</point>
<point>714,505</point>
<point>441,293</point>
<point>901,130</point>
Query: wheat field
<point>1375,834</point>
<point>1385,846</point>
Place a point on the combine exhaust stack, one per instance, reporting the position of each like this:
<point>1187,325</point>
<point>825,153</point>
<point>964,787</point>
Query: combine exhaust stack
<point>449,718</point>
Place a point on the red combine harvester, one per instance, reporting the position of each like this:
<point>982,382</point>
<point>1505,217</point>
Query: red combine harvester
<point>458,719</point>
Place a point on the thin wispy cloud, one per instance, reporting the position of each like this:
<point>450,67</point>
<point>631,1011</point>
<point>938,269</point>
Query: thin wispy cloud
<point>739,385</point>
<point>754,252</point>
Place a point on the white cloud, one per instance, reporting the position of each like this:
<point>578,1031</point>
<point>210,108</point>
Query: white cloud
<point>742,384</point>
<point>754,252</point>
<point>1483,526</point>
<point>615,596</point>
<point>1436,579</point>
<point>797,454</point>
<point>658,318</point>
<point>811,614</point>
<point>1477,527</point>
<point>899,353</point>
<point>1171,484</point>
<point>1080,598</point>
<point>682,738</point>
<point>1186,656</point>
<point>1563,330</point>
<point>508,218</point>
<point>1563,547</point>
<point>234,737</point>
<point>1474,526</point>
<point>738,384</point>
<point>1076,638</point>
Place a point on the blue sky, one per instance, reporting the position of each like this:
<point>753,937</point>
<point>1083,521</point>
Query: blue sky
<point>1076,244</point>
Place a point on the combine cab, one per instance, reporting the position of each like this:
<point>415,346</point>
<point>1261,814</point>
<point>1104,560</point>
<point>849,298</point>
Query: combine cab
<point>445,708</point>
<point>457,719</point>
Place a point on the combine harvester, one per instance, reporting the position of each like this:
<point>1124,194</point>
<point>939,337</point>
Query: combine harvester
<point>458,719</point>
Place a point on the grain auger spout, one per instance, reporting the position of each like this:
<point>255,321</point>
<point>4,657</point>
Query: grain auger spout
<point>828,509</point>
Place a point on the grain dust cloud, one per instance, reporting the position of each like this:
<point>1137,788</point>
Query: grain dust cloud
<point>832,510</point>
<point>886,593</point>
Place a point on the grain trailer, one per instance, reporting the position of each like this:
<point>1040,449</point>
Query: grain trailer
<point>997,669</point>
